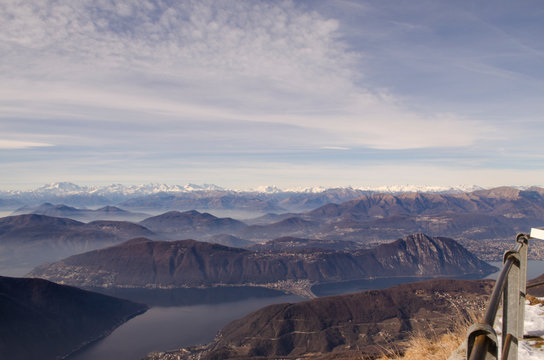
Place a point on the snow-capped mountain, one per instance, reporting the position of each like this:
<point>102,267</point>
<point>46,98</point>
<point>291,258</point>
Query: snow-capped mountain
<point>67,188</point>
<point>61,188</point>
<point>147,189</point>
<point>162,197</point>
<point>118,192</point>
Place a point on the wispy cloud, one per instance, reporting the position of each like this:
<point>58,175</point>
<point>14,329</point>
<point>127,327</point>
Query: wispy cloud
<point>205,60</point>
<point>16,144</point>
<point>166,79</point>
<point>334,148</point>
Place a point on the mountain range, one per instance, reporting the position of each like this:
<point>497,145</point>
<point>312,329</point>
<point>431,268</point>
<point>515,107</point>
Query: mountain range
<point>498,213</point>
<point>161,197</point>
<point>187,263</point>
<point>86,215</point>
<point>472,218</point>
<point>302,238</point>
<point>44,320</point>
<point>31,239</point>
<point>64,188</point>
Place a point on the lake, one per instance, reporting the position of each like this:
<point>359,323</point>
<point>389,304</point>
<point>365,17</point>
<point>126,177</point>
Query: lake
<point>171,327</point>
<point>347,287</point>
<point>185,317</point>
<point>534,268</point>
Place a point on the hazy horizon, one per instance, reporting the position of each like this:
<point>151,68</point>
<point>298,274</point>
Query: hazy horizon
<point>261,188</point>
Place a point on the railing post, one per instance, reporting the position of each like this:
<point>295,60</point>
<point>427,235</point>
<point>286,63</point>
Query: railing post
<point>511,307</point>
<point>511,284</point>
<point>523,239</point>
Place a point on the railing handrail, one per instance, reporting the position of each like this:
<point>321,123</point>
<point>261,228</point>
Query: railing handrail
<point>511,284</point>
<point>500,285</point>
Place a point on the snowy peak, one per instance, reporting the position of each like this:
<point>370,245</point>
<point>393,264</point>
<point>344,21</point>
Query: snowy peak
<point>68,188</point>
<point>61,187</point>
<point>268,189</point>
<point>160,197</point>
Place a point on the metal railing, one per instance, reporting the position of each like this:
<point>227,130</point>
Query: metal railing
<point>511,285</point>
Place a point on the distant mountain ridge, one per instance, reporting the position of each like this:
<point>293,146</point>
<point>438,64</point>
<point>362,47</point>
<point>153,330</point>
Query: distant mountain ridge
<point>31,239</point>
<point>207,196</point>
<point>156,198</point>
<point>506,201</point>
<point>60,210</point>
<point>176,224</point>
<point>497,213</point>
<point>188,263</point>
<point>32,228</point>
<point>483,215</point>
<point>153,188</point>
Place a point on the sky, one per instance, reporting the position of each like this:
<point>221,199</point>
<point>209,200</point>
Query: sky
<point>243,94</point>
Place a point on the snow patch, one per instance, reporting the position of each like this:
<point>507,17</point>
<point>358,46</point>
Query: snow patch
<point>533,326</point>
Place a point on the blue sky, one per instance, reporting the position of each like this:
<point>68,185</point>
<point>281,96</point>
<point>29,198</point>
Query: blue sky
<point>286,93</point>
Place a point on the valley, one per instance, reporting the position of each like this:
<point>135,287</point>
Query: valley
<point>484,221</point>
<point>181,258</point>
<point>267,180</point>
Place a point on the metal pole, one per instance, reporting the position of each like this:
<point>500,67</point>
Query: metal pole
<point>522,238</point>
<point>510,308</point>
<point>511,284</point>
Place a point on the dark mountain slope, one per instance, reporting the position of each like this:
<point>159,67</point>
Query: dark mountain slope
<point>189,263</point>
<point>43,320</point>
<point>348,326</point>
<point>420,254</point>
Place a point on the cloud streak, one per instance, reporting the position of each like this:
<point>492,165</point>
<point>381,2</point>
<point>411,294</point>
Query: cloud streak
<point>16,144</point>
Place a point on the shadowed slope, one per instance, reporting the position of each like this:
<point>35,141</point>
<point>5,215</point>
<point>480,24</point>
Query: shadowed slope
<point>353,326</point>
<point>44,320</point>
